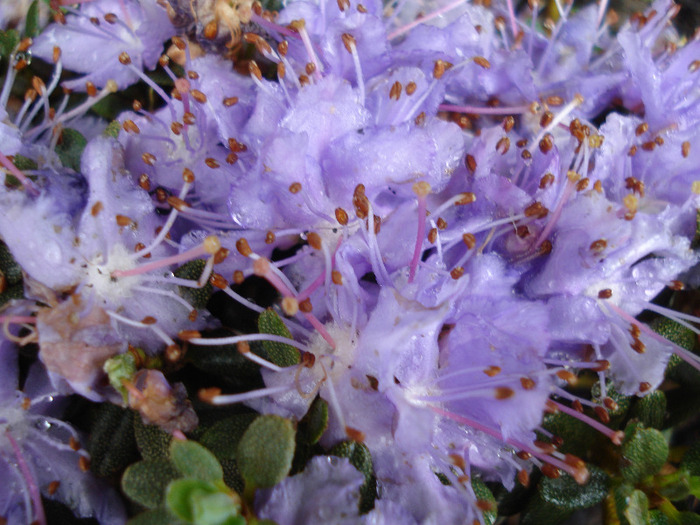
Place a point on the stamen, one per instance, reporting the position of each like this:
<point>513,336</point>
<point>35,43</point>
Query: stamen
<point>616,436</point>
<point>351,47</point>
<point>245,396</point>
<point>210,245</point>
<point>421,20</point>
<point>26,182</point>
<point>422,190</point>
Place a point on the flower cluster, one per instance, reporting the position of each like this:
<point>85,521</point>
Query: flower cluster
<point>460,214</point>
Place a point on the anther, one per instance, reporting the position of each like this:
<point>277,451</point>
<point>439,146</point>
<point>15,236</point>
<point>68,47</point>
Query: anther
<point>173,353</point>
<point>503,392</point>
<point>550,471</point>
<point>547,118</point>
<point>124,58</point>
<point>84,463</point>
<point>644,387</point>
<point>218,281</point>
<point>230,101</point>
<point>212,163</point>
<point>503,145</point>
<point>189,118</point>
<point>527,383</point>
<point>96,208</point>
<point>211,30</point>
<point>469,240</point>
<point>685,149</point>
<point>440,67</point>
<point>632,151</point>
<point>148,158</point>
<point>53,487</point>
<point>243,247</point>
<point>306,306</point>
<point>536,209</point>
<point>238,277</point>
<point>314,240</point>
<point>441,223</point>
<point>186,335</point>
<point>290,306</point>
<point>641,129</point>
<point>602,414</point>
<point>198,95</point>
<point>492,370</point>
<point>470,163</point>
<point>554,100</point>
<point>546,180</point>
<point>123,221</point>
<point>395,91</point>
<point>337,277</point>
<point>349,42</point>
<point>270,237</point>
<point>207,395</point>
<point>90,89</point>
<point>411,88</point>
<point>605,294</point>
<point>546,144</point>
<point>456,273</point>
<point>481,61</point>
<point>295,187</point>
<point>466,198</point>
<point>354,434</point>
<point>74,444</point>
<point>221,255</point>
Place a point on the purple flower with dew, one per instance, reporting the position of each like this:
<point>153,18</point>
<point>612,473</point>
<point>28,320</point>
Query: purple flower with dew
<point>94,38</point>
<point>40,455</point>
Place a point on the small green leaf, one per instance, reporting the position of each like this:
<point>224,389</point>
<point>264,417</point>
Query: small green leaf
<point>315,422</point>
<point>360,458</point>
<point>24,163</point>
<point>689,518</point>
<point>691,460</point>
<point>485,498</point>
<point>564,492</point>
<point>674,486</point>
<point>222,437</point>
<point>195,461</point>
<point>112,129</point>
<point>217,509</point>
<point>192,270</point>
<point>632,506</point>
<point>266,450</point>
<point>118,368</point>
<point>656,517</point>
<point>112,446</point>
<point>8,41</point>
<point>280,354</point>
<point>155,517</point>
<point>182,494</point>
<point>151,440</point>
<point>31,25</point>
<point>9,267</point>
<point>644,451</point>
<point>70,148</point>
<point>145,482</point>
<point>651,410</point>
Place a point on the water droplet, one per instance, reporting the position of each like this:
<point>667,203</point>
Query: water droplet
<point>26,56</point>
<point>42,424</point>
<point>332,460</point>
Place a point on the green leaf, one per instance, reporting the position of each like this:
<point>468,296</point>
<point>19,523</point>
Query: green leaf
<point>578,436</point>
<point>677,369</point>
<point>192,270</point>
<point>566,494</point>
<point>31,25</point>
<point>315,422</point>
<point>486,499</point>
<point>145,482</point>
<point>691,460</point>
<point>674,486</point>
<point>656,517</point>
<point>70,148</point>
<point>112,129</point>
<point>360,458</point>
<point>8,266</point>
<point>195,461</point>
<point>266,450</point>
<point>112,446</point>
<point>152,441</point>
<point>8,41</point>
<point>24,163</point>
<point>182,494</point>
<point>651,409</point>
<point>155,517</point>
<point>280,354</point>
<point>217,509</point>
<point>644,451</point>
<point>222,437</point>
<point>689,518</point>
<point>632,506</point>
<point>118,368</point>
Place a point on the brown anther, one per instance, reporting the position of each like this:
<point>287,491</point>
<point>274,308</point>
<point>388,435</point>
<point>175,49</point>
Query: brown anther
<point>343,4</point>
<point>411,88</point>
<point>243,247</point>
<point>508,123</point>
<point>124,58</point>
<point>456,273</point>
<point>84,463</point>
<point>641,129</point>
<point>659,141</point>
<point>53,487</point>
<point>638,346</point>
<point>238,277</point>
<point>123,220</point>
<point>297,25</point>
<point>524,455</point>
<point>503,145</point>
<point>295,187</point>
<point>635,185</point>
<point>281,70</point>
<point>605,293</point>
<point>96,208</point>
<point>544,446</point>
<point>164,60</point>
<point>466,198</point>
<point>568,376</point>
<point>546,180</point>
<point>337,277</point>
<point>492,370</point>
<point>188,175</point>
<point>218,281</point>
<point>221,255</point>
<point>598,246</point>
<point>458,461</point>
<point>503,392</point>
<point>179,43</point>
<point>576,404</point>
<point>481,61</point>
<point>685,149</point>
<point>90,89</point>
<point>522,231</point>
<point>349,42</point>
<point>441,223</point>
<point>186,335</point>
<point>440,67</point>
<point>536,209</point>
<point>176,127</point>
<point>524,478</point>
<point>74,444</point>
<point>230,101</point>
<point>211,30</point>
<point>361,9</point>
<point>545,248</point>
<point>56,54</point>
<point>694,66</point>
<point>676,285</point>
<point>149,320</point>
<point>59,17</point>
<point>610,404</point>
<point>189,118</point>
<point>254,69</point>
<point>308,360</point>
<point>602,414</point>
<point>38,85</point>
<point>632,151</point>
<point>148,158</point>
<point>360,202</point>
<point>420,119</point>
<point>521,143</point>
<point>283,47</point>
<point>432,235</point>
<point>583,184</point>
<point>395,91</point>
<point>310,68</point>
<point>526,155</point>
<point>198,95</point>
<point>177,203</point>
<point>94,21</point>
<point>603,365</point>
<point>192,316</point>
<point>550,471</point>
<point>314,240</point>
<point>470,163</point>
<point>649,146</point>
<point>546,144</point>
<point>212,163</point>
<point>527,383</point>
<point>554,100</point>
<point>306,306</point>
<point>162,197</point>
<point>644,386</point>
<point>354,434</point>
<point>30,95</point>
<point>207,395</point>
<point>136,105</point>
<point>469,240</point>
<point>211,244</point>
<point>547,118</point>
